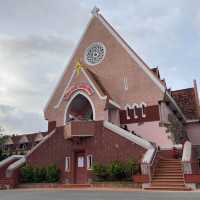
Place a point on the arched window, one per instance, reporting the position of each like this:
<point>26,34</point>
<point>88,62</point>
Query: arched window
<point>79,108</point>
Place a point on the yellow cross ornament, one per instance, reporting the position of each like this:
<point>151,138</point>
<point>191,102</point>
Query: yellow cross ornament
<point>78,67</point>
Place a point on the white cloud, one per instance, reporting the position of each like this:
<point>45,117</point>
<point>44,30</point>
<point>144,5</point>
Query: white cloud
<point>14,120</point>
<point>26,75</point>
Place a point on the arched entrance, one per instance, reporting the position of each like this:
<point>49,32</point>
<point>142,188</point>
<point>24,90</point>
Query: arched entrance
<point>79,107</point>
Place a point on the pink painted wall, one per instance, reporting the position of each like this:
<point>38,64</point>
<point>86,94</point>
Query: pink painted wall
<point>152,132</point>
<point>113,116</point>
<point>193,131</point>
<point>164,112</point>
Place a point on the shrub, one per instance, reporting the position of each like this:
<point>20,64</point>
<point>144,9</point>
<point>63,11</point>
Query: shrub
<point>131,168</point>
<point>39,175</point>
<point>117,170</point>
<point>27,173</point>
<point>53,174</point>
<point>101,171</point>
<point>49,174</point>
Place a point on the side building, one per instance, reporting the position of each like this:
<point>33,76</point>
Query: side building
<point>21,144</point>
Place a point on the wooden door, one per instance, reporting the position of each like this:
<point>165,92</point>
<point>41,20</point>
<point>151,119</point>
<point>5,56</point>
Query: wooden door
<point>80,168</point>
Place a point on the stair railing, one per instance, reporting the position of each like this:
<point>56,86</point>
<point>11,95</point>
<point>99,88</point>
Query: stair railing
<point>9,159</point>
<point>186,158</point>
<point>148,162</point>
<point>16,165</point>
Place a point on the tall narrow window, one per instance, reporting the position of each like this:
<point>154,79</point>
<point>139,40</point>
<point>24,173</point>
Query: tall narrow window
<point>127,107</point>
<point>89,162</point>
<point>135,107</point>
<point>125,83</point>
<point>143,106</point>
<point>67,164</point>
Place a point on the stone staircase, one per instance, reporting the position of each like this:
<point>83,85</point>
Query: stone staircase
<point>168,176</point>
<point>6,183</point>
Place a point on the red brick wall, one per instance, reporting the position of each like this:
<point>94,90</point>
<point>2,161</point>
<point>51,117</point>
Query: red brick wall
<point>192,178</point>
<point>151,112</point>
<point>141,179</point>
<point>105,146</point>
<point>51,126</point>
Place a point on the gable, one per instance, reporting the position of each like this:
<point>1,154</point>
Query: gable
<point>9,141</point>
<point>120,65</point>
<point>38,137</point>
<point>23,139</point>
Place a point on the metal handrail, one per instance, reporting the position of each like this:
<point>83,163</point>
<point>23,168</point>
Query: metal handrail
<point>154,156</point>
<point>152,162</point>
<point>149,165</point>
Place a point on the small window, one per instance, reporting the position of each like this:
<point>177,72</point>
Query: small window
<point>125,83</point>
<point>23,146</point>
<point>67,164</point>
<point>80,161</point>
<point>89,162</point>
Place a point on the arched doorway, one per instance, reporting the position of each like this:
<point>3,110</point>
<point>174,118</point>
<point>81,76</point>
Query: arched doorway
<point>79,108</point>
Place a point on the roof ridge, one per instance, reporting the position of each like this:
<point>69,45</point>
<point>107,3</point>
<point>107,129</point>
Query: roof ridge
<point>183,89</point>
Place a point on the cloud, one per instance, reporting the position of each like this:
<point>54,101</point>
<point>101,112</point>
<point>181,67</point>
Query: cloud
<point>30,67</point>
<point>15,121</point>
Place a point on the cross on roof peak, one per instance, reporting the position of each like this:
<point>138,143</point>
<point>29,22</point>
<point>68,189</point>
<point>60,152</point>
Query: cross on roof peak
<point>95,10</point>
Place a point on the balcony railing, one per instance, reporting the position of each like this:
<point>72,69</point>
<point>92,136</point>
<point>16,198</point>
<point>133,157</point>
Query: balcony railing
<point>79,129</point>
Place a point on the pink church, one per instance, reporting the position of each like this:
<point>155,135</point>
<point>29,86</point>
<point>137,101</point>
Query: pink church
<point>110,105</point>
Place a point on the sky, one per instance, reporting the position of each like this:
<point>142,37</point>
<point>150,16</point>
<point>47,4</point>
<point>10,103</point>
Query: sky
<point>37,38</point>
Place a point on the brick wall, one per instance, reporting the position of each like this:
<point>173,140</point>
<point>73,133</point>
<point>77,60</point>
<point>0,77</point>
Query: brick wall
<point>151,112</point>
<point>105,146</point>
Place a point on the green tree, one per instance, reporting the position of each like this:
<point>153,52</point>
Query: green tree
<point>3,139</point>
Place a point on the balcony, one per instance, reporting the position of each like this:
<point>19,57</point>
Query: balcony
<point>79,129</point>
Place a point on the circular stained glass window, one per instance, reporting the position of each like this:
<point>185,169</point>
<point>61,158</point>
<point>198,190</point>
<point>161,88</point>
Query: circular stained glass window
<point>95,53</point>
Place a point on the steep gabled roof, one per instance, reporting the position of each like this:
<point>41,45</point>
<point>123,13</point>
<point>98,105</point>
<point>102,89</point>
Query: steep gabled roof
<point>160,84</point>
<point>124,44</point>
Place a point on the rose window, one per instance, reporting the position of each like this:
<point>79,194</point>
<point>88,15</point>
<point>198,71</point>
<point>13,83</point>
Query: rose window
<point>95,53</point>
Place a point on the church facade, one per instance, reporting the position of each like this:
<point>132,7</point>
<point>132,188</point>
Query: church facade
<point>109,105</point>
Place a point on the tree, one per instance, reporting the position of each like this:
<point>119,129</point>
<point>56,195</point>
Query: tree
<point>3,139</point>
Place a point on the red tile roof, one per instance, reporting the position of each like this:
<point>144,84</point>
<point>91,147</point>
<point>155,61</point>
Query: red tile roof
<point>185,99</point>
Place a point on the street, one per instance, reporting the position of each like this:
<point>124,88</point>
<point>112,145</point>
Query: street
<point>94,195</point>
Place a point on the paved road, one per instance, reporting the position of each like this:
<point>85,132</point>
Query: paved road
<point>96,195</point>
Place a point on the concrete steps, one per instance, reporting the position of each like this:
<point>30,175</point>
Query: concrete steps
<point>168,176</point>
<point>160,177</point>
<point>5,183</point>
<point>167,184</point>
<point>168,188</point>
